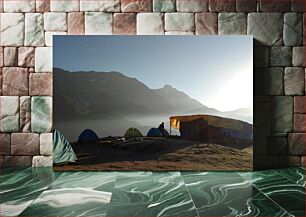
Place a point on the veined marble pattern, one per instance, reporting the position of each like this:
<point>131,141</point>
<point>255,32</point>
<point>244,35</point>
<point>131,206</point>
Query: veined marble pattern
<point>75,194</point>
<point>10,174</point>
<point>70,202</point>
<point>102,181</point>
<point>228,194</point>
<point>296,174</point>
<point>19,188</point>
<point>151,194</point>
<point>283,191</point>
<point>42,192</point>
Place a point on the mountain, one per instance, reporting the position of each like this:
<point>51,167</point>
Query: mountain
<point>109,95</point>
<point>181,101</point>
<point>105,94</point>
<point>244,114</point>
<point>241,112</point>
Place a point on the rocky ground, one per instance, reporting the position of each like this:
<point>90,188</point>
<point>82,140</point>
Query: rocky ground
<point>158,154</point>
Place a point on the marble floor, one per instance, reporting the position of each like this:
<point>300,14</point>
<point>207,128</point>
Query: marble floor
<point>42,192</point>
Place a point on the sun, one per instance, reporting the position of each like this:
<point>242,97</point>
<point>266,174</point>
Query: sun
<point>236,93</point>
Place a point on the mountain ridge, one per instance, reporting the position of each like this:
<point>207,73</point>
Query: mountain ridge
<point>95,94</point>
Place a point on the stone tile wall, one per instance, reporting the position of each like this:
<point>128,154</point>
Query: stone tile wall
<point>27,27</point>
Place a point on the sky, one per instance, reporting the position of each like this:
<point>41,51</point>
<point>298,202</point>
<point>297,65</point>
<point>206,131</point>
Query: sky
<point>215,70</point>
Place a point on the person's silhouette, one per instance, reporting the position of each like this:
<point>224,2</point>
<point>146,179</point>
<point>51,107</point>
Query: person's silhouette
<point>161,128</point>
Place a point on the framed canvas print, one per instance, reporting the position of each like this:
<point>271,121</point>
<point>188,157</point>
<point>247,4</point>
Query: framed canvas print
<point>153,103</point>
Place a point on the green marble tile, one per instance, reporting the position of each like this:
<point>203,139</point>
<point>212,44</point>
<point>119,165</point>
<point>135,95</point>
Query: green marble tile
<point>184,208</point>
<point>20,187</point>
<point>227,194</point>
<point>283,191</point>
<point>142,187</point>
<point>102,181</point>
<point>70,202</point>
<point>12,174</point>
<point>75,194</point>
<point>151,194</point>
<point>143,176</point>
<point>296,174</point>
<point>36,192</point>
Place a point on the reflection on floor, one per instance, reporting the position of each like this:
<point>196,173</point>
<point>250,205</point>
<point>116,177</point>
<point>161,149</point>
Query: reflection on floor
<point>42,192</point>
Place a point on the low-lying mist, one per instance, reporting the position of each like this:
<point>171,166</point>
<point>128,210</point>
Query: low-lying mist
<point>111,127</point>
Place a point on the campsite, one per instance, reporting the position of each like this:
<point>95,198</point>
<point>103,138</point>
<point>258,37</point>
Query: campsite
<point>206,143</point>
<point>124,105</point>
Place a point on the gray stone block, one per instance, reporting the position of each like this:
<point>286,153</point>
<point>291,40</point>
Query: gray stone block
<point>278,146</point>
<point>296,143</point>
<point>297,5</point>
<point>206,23</point>
<point>46,144</point>
<point>179,22</point>
<point>163,5</point>
<point>267,28</point>
<point>9,115</point>
<point>274,81</point>
<point>275,6</point>
<point>17,161</point>
<point>294,81</point>
<point>261,56</point>
<point>191,5</point>
<point>5,144</point>
<point>282,114</point>
<point>293,29</point>
<point>41,114</point>
<point>222,6</point>
<point>25,144</point>
<point>10,56</point>
<point>246,5</point>
<point>42,161</point>
<point>298,56</point>
<point>150,24</point>
<point>280,56</point>
<point>25,113</point>
<point>232,23</point>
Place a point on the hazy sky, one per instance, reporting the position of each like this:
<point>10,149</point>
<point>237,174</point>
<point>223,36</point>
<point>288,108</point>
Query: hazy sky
<point>216,70</point>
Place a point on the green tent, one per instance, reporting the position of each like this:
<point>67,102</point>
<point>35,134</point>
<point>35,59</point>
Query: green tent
<point>62,150</point>
<point>132,132</point>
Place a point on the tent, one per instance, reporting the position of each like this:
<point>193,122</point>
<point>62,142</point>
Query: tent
<point>132,132</point>
<point>165,132</point>
<point>62,150</point>
<point>154,132</point>
<point>88,136</point>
